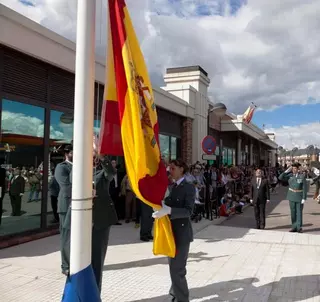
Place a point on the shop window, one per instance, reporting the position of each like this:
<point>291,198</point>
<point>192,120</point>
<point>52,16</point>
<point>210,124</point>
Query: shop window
<point>21,151</point>
<point>164,141</point>
<point>173,148</point>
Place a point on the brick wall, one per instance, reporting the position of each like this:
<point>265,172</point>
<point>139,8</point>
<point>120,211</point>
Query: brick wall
<point>186,140</point>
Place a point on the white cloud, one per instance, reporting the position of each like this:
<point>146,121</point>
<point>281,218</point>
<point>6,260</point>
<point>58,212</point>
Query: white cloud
<point>297,136</point>
<point>267,53</point>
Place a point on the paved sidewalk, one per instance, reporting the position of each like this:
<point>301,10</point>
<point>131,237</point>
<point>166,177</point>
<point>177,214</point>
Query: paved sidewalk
<point>278,214</point>
<point>225,264</point>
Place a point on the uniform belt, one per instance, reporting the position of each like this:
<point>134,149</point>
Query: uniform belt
<point>295,191</point>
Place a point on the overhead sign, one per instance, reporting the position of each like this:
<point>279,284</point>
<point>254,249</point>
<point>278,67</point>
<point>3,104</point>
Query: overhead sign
<point>209,145</point>
<point>208,157</point>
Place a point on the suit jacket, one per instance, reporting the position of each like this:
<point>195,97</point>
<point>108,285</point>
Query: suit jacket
<point>262,194</point>
<point>181,200</point>
<point>3,177</point>
<point>17,186</point>
<point>63,175</point>
<point>103,213</point>
<point>297,186</point>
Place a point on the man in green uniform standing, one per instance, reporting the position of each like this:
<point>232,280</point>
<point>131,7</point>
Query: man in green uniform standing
<point>297,194</point>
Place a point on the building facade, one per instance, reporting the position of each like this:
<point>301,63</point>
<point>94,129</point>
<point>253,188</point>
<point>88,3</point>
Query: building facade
<point>36,113</point>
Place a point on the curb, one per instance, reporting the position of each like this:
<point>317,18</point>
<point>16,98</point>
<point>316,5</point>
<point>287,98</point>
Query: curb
<point>215,221</point>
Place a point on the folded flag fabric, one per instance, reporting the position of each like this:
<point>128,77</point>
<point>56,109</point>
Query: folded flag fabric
<point>129,124</point>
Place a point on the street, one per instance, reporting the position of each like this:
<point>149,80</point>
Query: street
<point>278,214</point>
<point>228,262</point>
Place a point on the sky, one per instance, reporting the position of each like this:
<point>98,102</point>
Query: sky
<point>261,51</point>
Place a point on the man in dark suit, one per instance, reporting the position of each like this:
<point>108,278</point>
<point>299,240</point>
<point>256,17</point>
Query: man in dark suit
<point>16,191</point>
<point>2,187</point>
<point>179,206</point>
<point>103,216</point>
<point>260,196</point>
<point>63,175</point>
<point>115,186</point>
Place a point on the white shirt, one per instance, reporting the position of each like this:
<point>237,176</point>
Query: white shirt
<point>179,181</point>
<point>115,181</point>
<point>258,182</point>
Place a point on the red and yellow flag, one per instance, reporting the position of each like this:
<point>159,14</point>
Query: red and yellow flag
<point>129,122</point>
<point>247,116</point>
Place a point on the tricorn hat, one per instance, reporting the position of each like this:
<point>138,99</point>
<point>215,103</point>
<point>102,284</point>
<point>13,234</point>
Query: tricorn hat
<point>297,165</point>
<point>67,148</point>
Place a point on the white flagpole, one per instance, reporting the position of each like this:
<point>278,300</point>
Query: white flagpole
<point>81,218</point>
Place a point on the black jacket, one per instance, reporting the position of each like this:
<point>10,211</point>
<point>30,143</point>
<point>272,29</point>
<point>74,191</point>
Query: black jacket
<point>103,213</point>
<point>262,194</point>
<point>181,200</point>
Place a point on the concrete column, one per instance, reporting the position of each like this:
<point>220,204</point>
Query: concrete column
<point>251,154</point>
<point>273,158</point>
<point>239,151</point>
<point>186,140</point>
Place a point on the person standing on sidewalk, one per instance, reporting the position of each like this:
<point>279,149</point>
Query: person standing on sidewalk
<point>297,195</point>
<point>260,196</point>
<point>63,175</point>
<point>104,214</point>
<point>179,206</point>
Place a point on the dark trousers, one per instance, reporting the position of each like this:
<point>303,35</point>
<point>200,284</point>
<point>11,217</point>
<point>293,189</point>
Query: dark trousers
<point>119,202</point>
<point>1,206</point>
<point>15,204</point>
<point>260,214</point>
<point>54,206</point>
<point>64,242</point>
<point>146,222</point>
<point>296,214</point>
<point>177,265</point>
<point>100,239</point>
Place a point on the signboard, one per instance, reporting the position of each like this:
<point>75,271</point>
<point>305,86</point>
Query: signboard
<point>209,145</point>
<point>209,157</point>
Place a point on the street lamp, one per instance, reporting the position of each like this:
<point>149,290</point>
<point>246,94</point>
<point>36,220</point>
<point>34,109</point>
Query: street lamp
<point>219,109</point>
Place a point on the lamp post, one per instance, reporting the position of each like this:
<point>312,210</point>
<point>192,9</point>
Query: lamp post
<point>219,109</point>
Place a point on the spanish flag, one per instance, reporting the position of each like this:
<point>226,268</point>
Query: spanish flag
<point>247,116</point>
<point>129,120</point>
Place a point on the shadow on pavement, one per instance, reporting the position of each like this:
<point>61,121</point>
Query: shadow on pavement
<point>286,289</point>
<point>285,227</point>
<point>193,257</point>
<point>34,248</point>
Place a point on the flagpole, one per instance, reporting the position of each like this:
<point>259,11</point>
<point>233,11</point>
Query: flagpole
<point>81,273</point>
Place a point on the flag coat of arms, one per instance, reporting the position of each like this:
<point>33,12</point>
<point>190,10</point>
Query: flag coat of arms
<point>129,124</point>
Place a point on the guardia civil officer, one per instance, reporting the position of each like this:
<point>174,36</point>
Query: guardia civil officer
<point>63,175</point>
<point>297,194</point>
<point>179,206</point>
<point>103,214</point>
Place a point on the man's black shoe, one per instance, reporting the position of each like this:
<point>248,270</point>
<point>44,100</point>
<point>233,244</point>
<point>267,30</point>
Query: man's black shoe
<point>65,272</point>
<point>145,239</point>
<point>293,231</point>
<point>150,237</point>
<point>300,231</point>
<point>118,223</point>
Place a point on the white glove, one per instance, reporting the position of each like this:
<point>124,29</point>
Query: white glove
<point>288,170</point>
<point>268,200</point>
<point>251,200</point>
<point>165,210</point>
<point>21,194</point>
<point>303,201</point>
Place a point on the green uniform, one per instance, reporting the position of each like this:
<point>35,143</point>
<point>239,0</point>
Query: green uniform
<point>296,192</point>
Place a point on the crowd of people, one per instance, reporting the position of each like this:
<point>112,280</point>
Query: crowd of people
<point>197,191</point>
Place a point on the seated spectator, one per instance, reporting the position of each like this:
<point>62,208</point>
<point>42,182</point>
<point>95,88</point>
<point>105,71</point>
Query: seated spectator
<point>226,208</point>
<point>238,204</point>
